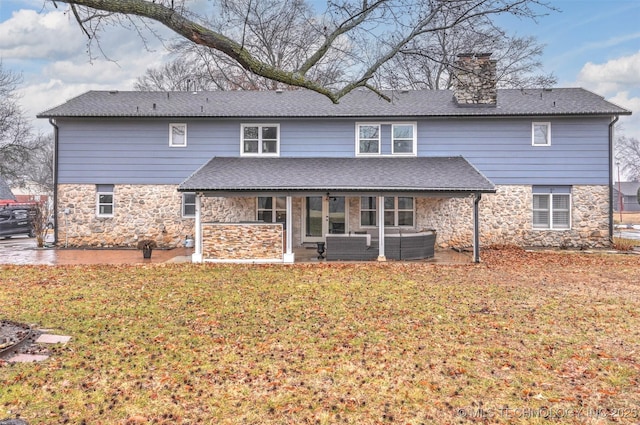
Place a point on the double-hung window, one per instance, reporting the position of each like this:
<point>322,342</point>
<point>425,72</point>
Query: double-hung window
<point>541,134</point>
<point>399,211</point>
<point>552,207</point>
<point>368,211</point>
<point>104,200</point>
<point>368,139</point>
<point>260,139</point>
<point>272,209</point>
<point>404,139</point>
<point>188,204</point>
<point>178,135</point>
<point>386,138</point>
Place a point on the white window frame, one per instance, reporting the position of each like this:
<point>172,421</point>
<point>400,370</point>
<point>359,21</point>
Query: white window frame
<point>172,143</point>
<point>185,203</point>
<point>274,208</point>
<point>414,140</point>
<point>551,225</point>
<point>395,211</point>
<point>369,209</point>
<point>368,124</point>
<point>260,126</point>
<point>533,133</point>
<point>390,141</point>
<point>99,204</point>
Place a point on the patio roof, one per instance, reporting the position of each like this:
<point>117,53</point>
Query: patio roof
<point>425,176</point>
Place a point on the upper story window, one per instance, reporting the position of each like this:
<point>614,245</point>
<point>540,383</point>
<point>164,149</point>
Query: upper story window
<point>260,139</point>
<point>404,139</point>
<point>188,204</point>
<point>541,134</point>
<point>178,135</point>
<point>368,140</point>
<point>104,200</point>
<point>386,139</point>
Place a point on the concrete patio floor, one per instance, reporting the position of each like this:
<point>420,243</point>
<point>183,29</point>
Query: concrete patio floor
<point>22,251</point>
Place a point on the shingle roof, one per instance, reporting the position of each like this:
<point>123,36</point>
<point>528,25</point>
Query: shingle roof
<point>627,188</point>
<point>5,191</point>
<point>305,103</point>
<point>416,174</point>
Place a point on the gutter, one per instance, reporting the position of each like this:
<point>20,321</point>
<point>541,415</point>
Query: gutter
<point>611,124</point>
<point>52,121</point>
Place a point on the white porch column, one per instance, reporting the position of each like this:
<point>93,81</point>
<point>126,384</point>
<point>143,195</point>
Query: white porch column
<point>196,257</point>
<point>380,209</point>
<point>289,256</point>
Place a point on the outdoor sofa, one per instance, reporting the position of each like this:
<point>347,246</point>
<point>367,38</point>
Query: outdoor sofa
<point>398,245</point>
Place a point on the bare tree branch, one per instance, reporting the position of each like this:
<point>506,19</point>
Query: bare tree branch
<point>346,28</point>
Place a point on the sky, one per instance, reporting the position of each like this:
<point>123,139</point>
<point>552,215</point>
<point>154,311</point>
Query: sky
<point>593,44</point>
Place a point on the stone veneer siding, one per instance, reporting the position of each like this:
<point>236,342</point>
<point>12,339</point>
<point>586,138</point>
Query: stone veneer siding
<point>507,218</point>
<point>154,211</point>
<point>140,212</point>
<point>253,242</point>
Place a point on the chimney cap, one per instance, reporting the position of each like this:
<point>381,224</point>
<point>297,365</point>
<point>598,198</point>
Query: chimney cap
<point>474,55</point>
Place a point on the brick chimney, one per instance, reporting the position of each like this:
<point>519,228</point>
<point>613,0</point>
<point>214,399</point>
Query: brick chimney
<point>474,80</point>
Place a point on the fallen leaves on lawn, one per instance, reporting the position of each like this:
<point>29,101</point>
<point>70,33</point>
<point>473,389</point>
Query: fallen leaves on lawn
<point>516,338</point>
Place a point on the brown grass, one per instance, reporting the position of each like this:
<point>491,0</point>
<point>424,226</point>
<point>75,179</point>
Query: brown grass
<point>627,218</point>
<point>521,338</point>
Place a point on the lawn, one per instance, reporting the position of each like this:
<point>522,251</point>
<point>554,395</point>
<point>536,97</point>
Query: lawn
<point>521,338</point>
<point>627,218</point>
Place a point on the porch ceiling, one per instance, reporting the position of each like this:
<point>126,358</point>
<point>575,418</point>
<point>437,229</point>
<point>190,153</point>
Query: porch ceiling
<point>443,176</point>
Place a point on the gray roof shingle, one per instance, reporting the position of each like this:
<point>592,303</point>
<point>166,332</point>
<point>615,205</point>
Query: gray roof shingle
<point>305,103</point>
<point>5,191</point>
<point>627,188</point>
<point>415,174</point>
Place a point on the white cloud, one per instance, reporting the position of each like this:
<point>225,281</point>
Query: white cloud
<point>32,35</point>
<point>50,51</point>
<point>618,74</point>
<point>619,81</point>
<point>630,124</point>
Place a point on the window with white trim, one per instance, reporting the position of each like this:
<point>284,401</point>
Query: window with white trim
<point>404,139</point>
<point>104,200</point>
<point>552,207</point>
<point>399,211</point>
<point>272,209</point>
<point>188,204</point>
<point>386,138</point>
<point>260,139</point>
<point>368,139</point>
<point>541,134</point>
<point>368,211</point>
<point>178,135</point>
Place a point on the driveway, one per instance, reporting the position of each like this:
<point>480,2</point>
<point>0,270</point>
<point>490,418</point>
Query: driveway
<point>23,250</point>
<point>627,231</point>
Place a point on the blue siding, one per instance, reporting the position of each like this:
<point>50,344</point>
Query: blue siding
<point>117,151</point>
<point>502,150</point>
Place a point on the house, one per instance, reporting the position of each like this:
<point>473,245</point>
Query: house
<point>6,195</point>
<point>625,196</point>
<point>253,175</point>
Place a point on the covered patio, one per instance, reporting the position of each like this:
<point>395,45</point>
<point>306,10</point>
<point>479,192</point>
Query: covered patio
<point>377,178</point>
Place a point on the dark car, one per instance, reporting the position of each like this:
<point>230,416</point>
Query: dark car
<point>16,221</point>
